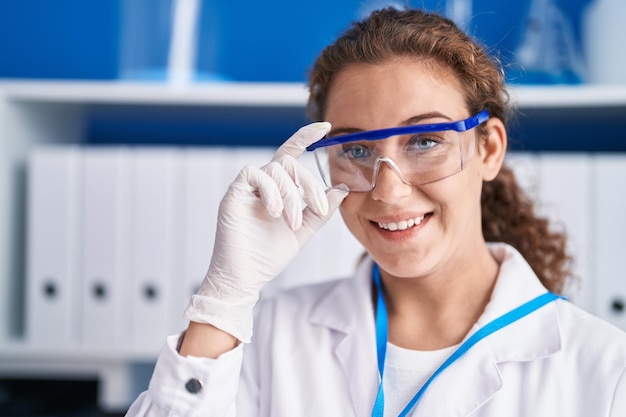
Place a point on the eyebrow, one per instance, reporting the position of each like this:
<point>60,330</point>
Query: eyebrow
<point>408,122</point>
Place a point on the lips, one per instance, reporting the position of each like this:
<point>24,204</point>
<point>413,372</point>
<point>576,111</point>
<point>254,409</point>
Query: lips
<point>402,224</point>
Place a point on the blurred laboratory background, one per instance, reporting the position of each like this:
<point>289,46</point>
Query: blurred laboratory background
<point>123,121</point>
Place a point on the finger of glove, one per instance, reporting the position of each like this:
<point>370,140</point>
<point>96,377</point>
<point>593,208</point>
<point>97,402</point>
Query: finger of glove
<point>305,136</point>
<point>312,190</point>
<point>312,222</point>
<point>289,192</point>
<point>265,187</point>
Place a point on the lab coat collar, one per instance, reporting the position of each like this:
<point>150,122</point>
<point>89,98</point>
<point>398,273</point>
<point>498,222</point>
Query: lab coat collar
<point>537,335</point>
<point>476,376</point>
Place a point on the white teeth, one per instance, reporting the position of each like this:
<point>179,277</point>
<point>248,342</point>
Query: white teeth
<point>401,225</point>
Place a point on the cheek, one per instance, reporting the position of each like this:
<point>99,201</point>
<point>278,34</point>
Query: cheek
<point>456,196</point>
<point>464,197</point>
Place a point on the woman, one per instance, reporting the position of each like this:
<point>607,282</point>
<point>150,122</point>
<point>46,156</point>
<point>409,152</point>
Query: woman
<point>451,325</point>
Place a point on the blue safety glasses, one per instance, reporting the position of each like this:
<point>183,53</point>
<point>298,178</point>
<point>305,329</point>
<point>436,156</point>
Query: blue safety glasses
<point>458,126</point>
<point>423,153</point>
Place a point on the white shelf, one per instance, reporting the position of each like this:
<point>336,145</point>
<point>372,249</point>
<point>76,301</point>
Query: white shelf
<point>569,96</point>
<point>270,94</point>
<point>114,92</point>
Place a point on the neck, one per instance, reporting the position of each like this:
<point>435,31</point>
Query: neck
<point>438,310</point>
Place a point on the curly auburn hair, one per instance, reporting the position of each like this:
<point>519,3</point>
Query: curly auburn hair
<point>508,215</point>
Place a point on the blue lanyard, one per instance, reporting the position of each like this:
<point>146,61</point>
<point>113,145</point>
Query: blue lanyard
<point>486,330</point>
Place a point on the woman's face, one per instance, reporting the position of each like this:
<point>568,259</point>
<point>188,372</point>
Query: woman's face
<point>446,212</point>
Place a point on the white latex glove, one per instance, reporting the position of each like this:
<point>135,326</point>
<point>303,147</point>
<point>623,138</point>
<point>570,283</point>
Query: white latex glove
<point>261,227</point>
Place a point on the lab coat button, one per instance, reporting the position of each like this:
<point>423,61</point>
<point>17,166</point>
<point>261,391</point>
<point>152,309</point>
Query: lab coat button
<point>193,386</point>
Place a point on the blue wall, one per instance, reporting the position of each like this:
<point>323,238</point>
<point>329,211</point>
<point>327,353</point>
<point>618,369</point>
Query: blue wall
<point>59,39</point>
<point>240,39</point>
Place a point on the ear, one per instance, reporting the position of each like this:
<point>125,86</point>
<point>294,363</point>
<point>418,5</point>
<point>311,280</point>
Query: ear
<point>493,148</point>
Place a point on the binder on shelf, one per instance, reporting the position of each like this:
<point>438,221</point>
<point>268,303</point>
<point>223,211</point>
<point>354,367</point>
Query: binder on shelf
<point>565,198</point>
<point>53,247</point>
<point>203,187</point>
<point>155,244</point>
<point>609,206</point>
<point>105,289</point>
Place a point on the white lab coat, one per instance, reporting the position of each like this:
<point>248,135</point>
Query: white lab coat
<point>313,354</point>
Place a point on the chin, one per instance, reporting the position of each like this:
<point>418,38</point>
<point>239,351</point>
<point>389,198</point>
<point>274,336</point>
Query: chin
<point>403,267</point>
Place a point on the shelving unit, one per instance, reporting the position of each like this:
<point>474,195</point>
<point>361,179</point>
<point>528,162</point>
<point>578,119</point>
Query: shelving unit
<point>32,113</point>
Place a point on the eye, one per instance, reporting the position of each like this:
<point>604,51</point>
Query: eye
<point>424,142</point>
<point>355,151</point>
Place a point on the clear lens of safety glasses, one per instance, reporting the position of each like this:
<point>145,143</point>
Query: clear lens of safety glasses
<point>421,154</point>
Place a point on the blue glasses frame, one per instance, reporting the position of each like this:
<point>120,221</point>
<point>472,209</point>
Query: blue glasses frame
<point>459,126</point>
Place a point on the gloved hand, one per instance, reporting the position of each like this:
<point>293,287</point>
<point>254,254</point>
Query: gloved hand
<point>261,227</point>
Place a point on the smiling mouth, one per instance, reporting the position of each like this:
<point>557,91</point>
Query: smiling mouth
<point>402,225</point>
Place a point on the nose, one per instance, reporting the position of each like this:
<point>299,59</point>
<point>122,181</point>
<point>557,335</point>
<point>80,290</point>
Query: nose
<point>389,183</point>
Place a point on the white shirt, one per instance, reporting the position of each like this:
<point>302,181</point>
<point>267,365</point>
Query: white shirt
<point>406,371</point>
<point>314,354</point>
